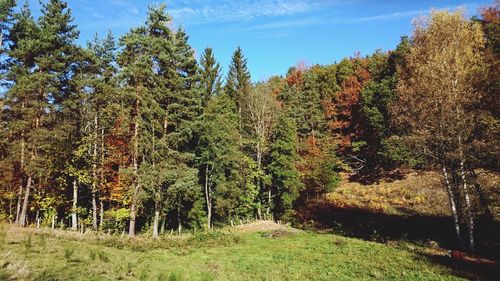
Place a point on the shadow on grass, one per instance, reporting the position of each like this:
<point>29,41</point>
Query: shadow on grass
<point>368,225</point>
<point>469,268</point>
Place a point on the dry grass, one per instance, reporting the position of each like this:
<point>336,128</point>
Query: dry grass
<point>263,226</point>
<point>420,193</point>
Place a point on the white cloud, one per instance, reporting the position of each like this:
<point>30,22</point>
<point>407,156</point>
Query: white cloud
<point>226,10</point>
<point>390,16</point>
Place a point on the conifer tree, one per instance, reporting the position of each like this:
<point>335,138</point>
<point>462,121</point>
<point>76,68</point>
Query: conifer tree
<point>286,184</point>
<point>6,20</point>
<point>219,157</point>
<point>210,76</point>
<point>238,83</point>
<point>159,69</point>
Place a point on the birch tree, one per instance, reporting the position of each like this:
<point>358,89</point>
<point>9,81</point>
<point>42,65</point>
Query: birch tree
<point>437,102</point>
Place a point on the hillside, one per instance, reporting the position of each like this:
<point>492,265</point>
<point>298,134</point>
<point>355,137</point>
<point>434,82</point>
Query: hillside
<point>413,207</point>
<point>270,252</point>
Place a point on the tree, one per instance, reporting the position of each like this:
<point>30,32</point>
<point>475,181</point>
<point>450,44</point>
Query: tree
<point>259,109</point>
<point>22,104</point>
<point>210,76</point>
<point>160,73</point>
<point>6,20</point>
<point>238,83</point>
<point>219,157</point>
<point>62,61</point>
<point>286,184</point>
<point>437,100</point>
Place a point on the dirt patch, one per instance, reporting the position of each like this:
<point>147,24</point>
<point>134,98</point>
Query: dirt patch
<point>265,226</point>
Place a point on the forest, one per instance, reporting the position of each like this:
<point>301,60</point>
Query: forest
<point>135,135</point>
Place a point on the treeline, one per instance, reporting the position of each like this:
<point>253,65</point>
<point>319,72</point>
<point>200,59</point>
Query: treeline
<point>137,133</point>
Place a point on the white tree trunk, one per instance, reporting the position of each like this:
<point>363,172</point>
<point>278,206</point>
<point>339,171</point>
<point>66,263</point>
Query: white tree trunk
<point>468,206</point>
<point>101,212</point>
<point>20,192</point>
<point>74,218</point>
<point>155,224</point>
<point>453,206</point>
<point>208,199</point>
<point>94,176</point>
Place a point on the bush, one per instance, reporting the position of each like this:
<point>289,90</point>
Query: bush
<point>115,220</point>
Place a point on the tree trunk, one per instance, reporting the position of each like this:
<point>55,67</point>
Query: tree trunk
<point>74,218</point>
<point>101,213</point>
<point>453,207</point>
<point>162,227</point>
<point>179,224</point>
<point>94,210</point>
<point>53,222</point>
<point>94,175</point>
<point>208,199</point>
<point>156,223</point>
<point>20,192</point>
<point>24,210</point>
<point>269,196</point>
<point>131,229</point>
<point>37,219</point>
<point>468,206</point>
<point>135,156</point>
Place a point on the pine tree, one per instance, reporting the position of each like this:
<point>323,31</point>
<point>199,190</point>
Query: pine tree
<point>25,104</point>
<point>6,20</point>
<point>160,73</point>
<point>60,61</point>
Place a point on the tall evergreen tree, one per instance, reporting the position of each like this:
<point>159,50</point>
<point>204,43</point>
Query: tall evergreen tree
<point>238,83</point>
<point>286,184</point>
<point>210,76</point>
<point>219,157</point>
<point>6,20</point>
<point>60,63</point>
<point>160,73</point>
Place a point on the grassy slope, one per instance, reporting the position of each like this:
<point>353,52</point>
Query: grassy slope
<point>417,193</point>
<point>218,256</point>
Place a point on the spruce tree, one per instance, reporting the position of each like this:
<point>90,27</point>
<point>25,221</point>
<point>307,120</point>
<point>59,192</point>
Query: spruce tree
<point>219,159</point>
<point>238,83</point>
<point>286,184</point>
<point>210,76</point>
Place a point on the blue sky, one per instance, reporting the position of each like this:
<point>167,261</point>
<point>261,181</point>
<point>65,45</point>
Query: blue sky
<point>274,34</point>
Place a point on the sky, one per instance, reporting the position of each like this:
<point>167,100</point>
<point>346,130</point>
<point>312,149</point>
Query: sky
<point>273,34</point>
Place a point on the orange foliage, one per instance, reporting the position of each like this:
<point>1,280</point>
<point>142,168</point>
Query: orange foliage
<point>342,110</point>
<point>491,14</point>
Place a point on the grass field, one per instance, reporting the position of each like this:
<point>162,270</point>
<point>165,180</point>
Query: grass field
<point>245,253</point>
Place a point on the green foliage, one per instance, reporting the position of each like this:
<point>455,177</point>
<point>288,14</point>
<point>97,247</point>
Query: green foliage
<point>286,184</point>
<point>68,253</point>
<point>115,220</point>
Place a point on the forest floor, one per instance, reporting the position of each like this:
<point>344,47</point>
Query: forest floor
<point>260,251</point>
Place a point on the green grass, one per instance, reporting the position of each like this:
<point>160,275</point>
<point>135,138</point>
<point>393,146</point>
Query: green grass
<point>214,256</point>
